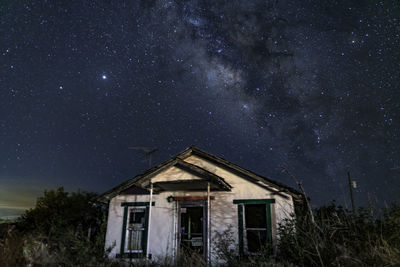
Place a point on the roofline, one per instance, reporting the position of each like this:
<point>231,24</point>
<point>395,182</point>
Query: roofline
<point>194,169</point>
<point>192,150</point>
<point>243,171</point>
<point>106,196</point>
<point>174,161</point>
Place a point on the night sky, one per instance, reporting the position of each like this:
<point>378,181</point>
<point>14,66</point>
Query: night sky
<point>311,85</point>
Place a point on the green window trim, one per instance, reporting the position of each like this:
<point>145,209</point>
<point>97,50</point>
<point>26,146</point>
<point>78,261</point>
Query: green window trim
<point>242,202</point>
<point>122,253</point>
<point>253,201</point>
<point>240,217</point>
<point>135,204</point>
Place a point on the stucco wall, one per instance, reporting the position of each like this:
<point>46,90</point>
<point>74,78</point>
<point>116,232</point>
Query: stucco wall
<point>224,214</point>
<point>163,221</point>
<point>173,173</point>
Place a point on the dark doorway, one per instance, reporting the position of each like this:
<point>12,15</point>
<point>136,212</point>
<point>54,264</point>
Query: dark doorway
<point>192,228</point>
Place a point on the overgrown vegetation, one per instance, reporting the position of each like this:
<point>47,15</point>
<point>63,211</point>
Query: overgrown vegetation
<point>69,229</point>
<point>340,238</point>
<point>63,229</point>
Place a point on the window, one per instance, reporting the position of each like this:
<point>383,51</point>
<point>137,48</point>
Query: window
<point>255,226</point>
<point>136,227</point>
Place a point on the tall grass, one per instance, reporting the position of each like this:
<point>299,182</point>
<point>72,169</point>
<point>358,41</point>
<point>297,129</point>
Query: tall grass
<point>342,238</point>
<point>332,236</point>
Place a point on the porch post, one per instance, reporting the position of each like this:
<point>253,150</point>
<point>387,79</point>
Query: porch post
<point>208,225</point>
<point>176,233</point>
<point>149,225</point>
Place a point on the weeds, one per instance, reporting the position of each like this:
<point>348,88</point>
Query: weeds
<point>48,236</point>
<point>342,239</point>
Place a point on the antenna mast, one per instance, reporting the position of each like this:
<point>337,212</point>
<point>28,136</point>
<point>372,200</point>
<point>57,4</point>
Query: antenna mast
<point>148,151</point>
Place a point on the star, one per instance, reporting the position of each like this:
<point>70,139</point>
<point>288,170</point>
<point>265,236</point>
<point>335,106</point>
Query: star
<point>312,92</point>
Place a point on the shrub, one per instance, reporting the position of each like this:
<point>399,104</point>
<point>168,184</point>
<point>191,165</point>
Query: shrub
<point>62,229</point>
<point>340,238</point>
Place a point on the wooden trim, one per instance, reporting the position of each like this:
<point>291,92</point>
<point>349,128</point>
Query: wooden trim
<point>134,204</point>
<point>192,198</point>
<point>194,204</point>
<point>281,189</point>
<point>254,201</point>
<point>123,234</point>
<point>240,217</point>
<point>269,224</point>
<point>191,185</point>
<point>122,253</point>
<point>241,204</point>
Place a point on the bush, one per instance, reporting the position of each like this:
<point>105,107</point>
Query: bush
<point>69,229</point>
<point>62,229</point>
<point>340,238</point>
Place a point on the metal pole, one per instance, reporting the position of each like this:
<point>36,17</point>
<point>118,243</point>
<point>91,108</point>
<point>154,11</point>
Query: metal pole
<point>149,226</point>
<point>351,192</point>
<point>130,246</point>
<point>176,233</point>
<point>208,225</point>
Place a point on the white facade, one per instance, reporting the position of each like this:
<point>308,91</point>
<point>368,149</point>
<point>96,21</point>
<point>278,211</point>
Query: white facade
<point>166,228</point>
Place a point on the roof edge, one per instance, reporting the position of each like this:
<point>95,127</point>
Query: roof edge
<point>192,150</point>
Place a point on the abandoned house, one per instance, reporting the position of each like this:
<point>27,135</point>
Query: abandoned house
<point>186,201</point>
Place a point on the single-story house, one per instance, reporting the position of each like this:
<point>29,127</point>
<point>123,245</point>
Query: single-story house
<point>188,201</point>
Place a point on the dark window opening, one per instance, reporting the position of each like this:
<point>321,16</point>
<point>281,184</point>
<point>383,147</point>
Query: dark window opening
<point>255,226</point>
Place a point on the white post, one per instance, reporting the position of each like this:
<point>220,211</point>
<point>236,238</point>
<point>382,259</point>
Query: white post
<point>208,225</point>
<point>149,226</point>
<point>176,231</point>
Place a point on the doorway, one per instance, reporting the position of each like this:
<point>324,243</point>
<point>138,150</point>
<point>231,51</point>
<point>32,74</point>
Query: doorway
<point>193,227</point>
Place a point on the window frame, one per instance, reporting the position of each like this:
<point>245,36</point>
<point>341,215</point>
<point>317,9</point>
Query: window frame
<point>241,221</point>
<point>143,230</point>
<point>124,253</point>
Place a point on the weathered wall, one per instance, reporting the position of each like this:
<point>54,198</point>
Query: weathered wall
<point>172,174</point>
<point>163,219</point>
<point>224,214</point>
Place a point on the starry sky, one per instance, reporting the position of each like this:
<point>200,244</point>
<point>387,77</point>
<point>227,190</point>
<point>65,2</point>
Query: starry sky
<point>311,85</point>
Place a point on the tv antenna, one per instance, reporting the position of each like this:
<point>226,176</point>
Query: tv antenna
<point>148,152</point>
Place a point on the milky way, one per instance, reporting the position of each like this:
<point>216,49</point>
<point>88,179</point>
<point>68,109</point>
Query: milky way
<point>313,86</point>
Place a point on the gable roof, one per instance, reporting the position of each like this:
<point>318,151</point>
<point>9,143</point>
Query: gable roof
<point>178,161</point>
<point>242,172</point>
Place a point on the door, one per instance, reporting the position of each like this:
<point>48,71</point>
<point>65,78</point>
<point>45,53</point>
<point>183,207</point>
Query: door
<point>193,228</point>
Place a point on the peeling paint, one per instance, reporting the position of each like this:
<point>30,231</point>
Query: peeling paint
<point>163,238</point>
